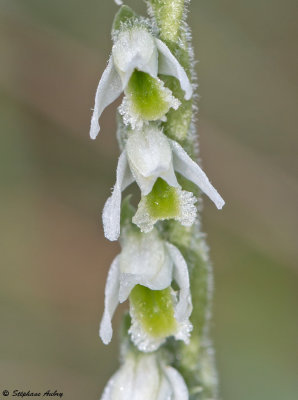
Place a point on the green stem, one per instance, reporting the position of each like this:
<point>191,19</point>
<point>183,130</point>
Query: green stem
<point>195,360</point>
<point>169,18</point>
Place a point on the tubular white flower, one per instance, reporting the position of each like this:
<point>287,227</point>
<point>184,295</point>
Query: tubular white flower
<point>135,49</point>
<point>144,376</point>
<point>149,155</point>
<point>151,262</point>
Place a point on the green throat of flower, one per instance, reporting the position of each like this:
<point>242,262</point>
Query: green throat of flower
<point>149,98</point>
<point>154,310</point>
<point>162,201</point>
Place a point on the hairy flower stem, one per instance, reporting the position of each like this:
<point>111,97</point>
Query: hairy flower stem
<point>194,361</point>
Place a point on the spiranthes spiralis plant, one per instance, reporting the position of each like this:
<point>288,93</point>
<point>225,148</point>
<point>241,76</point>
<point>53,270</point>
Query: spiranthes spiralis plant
<point>163,269</point>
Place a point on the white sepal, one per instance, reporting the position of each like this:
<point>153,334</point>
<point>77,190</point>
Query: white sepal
<point>191,170</point>
<point>169,65</point>
<point>112,207</point>
<point>111,302</point>
<point>109,88</point>
<point>150,156</point>
<point>183,308</point>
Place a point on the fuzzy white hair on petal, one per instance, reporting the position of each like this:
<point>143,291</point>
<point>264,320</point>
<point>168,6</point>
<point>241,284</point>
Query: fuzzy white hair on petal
<point>169,65</point>
<point>111,302</point>
<point>191,171</point>
<point>109,88</point>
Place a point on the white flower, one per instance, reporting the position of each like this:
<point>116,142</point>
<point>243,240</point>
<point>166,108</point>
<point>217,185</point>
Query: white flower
<point>147,156</point>
<point>136,49</point>
<point>148,261</point>
<point>119,2</point>
<point>145,377</point>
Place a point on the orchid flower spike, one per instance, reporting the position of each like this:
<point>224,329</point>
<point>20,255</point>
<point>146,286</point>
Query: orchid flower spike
<point>151,159</point>
<point>136,60</point>
<point>144,271</point>
<point>144,376</point>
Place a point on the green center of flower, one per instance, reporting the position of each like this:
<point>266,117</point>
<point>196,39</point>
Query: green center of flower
<point>154,310</point>
<point>162,201</point>
<point>148,96</point>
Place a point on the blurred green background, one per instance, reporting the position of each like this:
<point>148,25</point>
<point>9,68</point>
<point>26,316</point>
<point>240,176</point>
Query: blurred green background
<point>54,181</point>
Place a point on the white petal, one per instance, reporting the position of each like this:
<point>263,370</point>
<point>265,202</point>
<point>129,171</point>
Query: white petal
<point>149,155</point>
<point>169,65</point>
<point>119,2</point>
<point>109,88</point>
<point>135,49</point>
<point>111,302</point>
<point>179,388</point>
<point>180,274</point>
<point>188,168</point>
<point>112,207</point>
<point>144,260</point>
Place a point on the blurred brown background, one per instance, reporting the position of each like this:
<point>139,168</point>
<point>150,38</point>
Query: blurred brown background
<point>54,258</point>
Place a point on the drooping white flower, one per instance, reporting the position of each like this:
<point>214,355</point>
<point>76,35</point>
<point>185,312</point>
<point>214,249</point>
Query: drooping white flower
<point>137,50</point>
<point>147,156</point>
<point>149,264</point>
<point>145,377</point>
